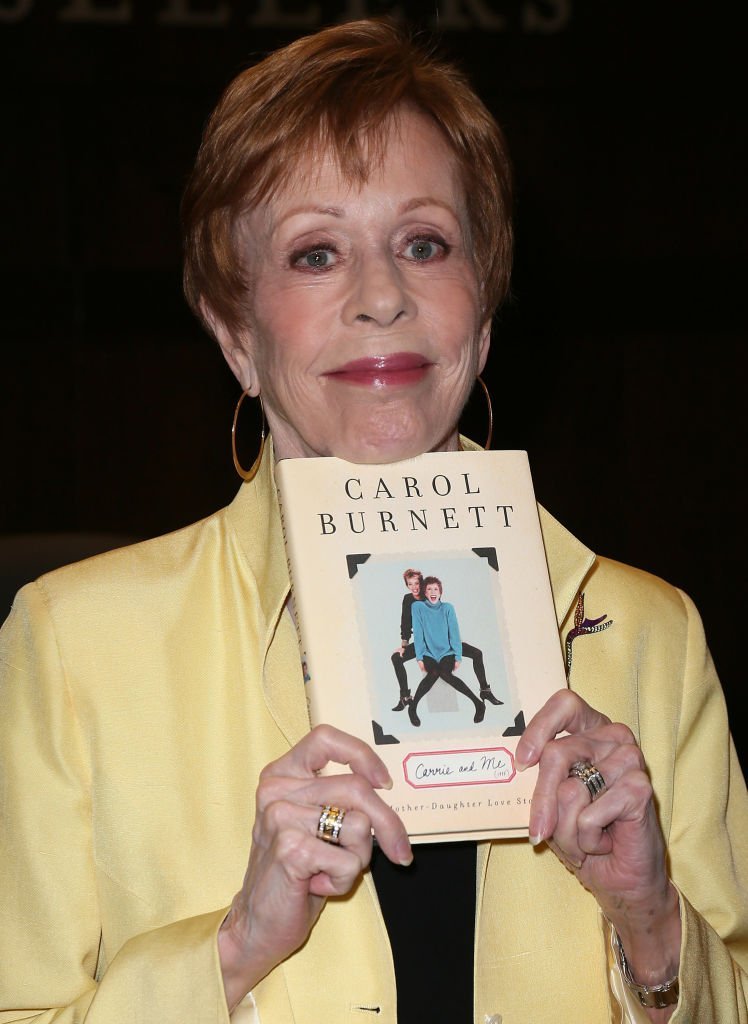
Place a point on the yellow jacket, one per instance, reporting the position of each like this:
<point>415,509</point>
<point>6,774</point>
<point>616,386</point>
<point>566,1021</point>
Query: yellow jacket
<point>141,693</point>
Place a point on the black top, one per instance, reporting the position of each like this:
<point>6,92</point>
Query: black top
<point>406,618</point>
<point>429,910</point>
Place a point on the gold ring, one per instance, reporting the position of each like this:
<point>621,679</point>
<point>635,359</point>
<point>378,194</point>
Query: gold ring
<point>330,824</point>
<point>587,773</point>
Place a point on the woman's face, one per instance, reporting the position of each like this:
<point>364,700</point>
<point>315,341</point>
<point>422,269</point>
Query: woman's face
<point>366,332</point>
<point>414,586</point>
<point>433,593</point>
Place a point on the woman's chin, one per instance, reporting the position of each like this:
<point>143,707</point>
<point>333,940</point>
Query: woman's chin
<point>380,436</point>
<point>382,443</point>
<point>378,455</point>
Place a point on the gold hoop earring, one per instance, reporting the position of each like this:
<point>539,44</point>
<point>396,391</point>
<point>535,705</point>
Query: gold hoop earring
<point>489,436</point>
<point>251,473</point>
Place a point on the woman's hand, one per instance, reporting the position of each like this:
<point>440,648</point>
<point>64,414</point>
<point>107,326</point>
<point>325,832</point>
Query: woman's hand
<point>613,845</point>
<point>291,871</point>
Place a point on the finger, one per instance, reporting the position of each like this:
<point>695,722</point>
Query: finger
<point>349,792</point>
<point>576,809</point>
<point>326,869</point>
<point>283,816</point>
<point>325,744</point>
<point>572,799</point>
<point>564,711</point>
<point>353,792</point>
<point>558,755</point>
<point>566,859</point>
<point>629,801</point>
<point>354,833</point>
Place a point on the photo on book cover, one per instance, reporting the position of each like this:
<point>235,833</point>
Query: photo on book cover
<point>436,658</point>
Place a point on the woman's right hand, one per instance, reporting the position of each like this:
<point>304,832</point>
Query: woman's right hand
<point>291,871</point>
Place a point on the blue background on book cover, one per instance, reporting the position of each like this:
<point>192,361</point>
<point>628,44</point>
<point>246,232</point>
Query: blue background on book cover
<point>473,588</point>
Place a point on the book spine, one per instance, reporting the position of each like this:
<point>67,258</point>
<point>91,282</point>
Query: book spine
<point>296,598</point>
<point>289,563</point>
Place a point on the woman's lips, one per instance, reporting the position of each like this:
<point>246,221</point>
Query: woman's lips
<point>400,368</point>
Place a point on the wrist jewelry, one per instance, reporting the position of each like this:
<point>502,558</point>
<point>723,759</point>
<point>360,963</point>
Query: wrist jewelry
<point>651,996</point>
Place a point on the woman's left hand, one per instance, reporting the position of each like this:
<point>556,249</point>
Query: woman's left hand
<point>614,844</point>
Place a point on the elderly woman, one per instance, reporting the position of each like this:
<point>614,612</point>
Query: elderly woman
<point>348,240</point>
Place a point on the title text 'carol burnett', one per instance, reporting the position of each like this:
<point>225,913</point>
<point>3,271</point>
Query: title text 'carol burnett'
<point>409,487</point>
<point>381,520</point>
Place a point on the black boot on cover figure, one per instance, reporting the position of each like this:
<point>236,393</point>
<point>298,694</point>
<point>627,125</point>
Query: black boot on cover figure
<point>476,656</point>
<point>405,699</point>
<point>487,694</point>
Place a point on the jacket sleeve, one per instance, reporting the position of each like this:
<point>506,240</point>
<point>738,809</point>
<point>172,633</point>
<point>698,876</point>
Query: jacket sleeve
<point>703,806</point>
<point>51,952</point>
<point>708,847</point>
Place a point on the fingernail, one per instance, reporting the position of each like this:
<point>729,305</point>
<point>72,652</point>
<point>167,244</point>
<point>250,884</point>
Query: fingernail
<point>538,833</point>
<point>385,782</point>
<point>404,852</point>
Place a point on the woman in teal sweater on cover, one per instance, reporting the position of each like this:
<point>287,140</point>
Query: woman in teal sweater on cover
<point>436,635</point>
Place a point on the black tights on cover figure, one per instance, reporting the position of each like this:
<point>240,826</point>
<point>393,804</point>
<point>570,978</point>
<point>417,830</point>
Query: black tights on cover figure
<point>398,663</point>
<point>468,651</point>
<point>476,656</point>
<point>443,669</point>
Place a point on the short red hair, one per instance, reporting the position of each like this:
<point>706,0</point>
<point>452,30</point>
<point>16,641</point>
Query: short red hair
<point>339,89</point>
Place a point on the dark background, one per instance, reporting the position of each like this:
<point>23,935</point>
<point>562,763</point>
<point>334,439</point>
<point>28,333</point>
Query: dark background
<point>619,363</point>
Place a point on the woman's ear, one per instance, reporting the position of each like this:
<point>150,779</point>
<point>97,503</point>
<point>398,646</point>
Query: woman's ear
<point>237,350</point>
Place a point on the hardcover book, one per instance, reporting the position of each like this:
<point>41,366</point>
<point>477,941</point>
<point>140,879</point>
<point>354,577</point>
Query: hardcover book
<point>426,625</point>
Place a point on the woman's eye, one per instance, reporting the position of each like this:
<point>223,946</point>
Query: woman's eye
<point>423,249</point>
<point>315,259</point>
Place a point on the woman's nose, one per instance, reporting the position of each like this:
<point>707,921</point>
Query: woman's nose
<point>379,293</point>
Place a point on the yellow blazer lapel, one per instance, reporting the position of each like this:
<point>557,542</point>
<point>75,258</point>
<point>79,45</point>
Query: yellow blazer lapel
<point>569,561</point>
<point>254,516</point>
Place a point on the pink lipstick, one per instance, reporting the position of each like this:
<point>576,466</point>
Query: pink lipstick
<point>397,369</point>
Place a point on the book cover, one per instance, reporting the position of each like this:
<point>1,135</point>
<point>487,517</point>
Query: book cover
<point>427,626</point>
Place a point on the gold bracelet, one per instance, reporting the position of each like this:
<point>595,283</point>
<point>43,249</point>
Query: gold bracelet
<point>650,996</point>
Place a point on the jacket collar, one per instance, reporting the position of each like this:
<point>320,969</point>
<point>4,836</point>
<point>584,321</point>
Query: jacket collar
<point>255,517</point>
<point>569,562</point>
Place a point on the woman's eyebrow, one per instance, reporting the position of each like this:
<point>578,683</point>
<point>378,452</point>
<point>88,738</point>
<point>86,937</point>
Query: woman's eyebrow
<point>418,201</point>
<point>330,211</point>
<point>336,211</point>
